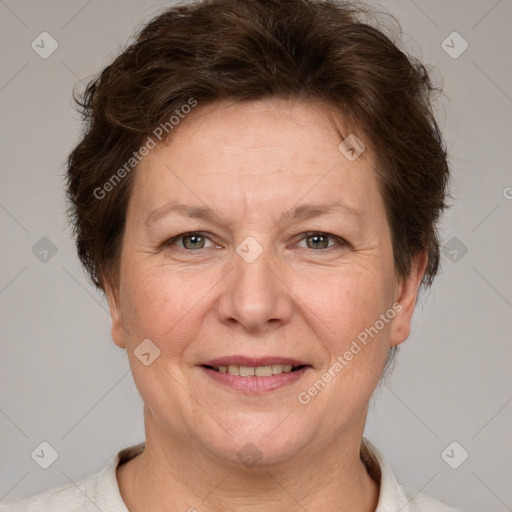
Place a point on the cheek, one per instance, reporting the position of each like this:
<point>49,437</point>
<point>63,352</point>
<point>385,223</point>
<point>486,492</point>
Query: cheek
<point>160,307</point>
<point>164,305</point>
<point>342,302</point>
<point>345,314</point>
<point>346,309</point>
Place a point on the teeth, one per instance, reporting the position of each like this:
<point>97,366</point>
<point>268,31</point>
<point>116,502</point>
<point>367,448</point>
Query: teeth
<point>258,371</point>
<point>278,368</point>
<point>263,371</point>
<point>247,371</point>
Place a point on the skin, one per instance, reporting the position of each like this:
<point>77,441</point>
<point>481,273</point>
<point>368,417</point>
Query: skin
<point>250,163</point>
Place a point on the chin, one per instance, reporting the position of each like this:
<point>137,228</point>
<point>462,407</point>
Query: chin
<point>267,444</point>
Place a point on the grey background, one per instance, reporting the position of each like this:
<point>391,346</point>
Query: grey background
<point>62,379</point>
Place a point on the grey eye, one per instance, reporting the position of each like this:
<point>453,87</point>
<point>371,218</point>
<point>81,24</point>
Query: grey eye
<point>193,241</point>
<point>317,240</point>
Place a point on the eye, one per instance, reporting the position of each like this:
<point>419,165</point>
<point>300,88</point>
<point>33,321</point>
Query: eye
<point>197,240</point>
<point>190,241</point>
<point>318,240</point>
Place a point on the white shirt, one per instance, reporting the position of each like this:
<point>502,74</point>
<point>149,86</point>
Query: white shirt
<point>101,490</point>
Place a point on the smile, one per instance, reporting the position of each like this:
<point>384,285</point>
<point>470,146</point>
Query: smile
<point>258,371</point>
<point>255,379</point>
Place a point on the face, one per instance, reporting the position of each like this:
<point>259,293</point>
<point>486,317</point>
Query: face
<point>251,239</point>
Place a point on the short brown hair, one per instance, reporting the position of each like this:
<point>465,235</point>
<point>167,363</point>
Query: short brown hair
<point>246,50</point>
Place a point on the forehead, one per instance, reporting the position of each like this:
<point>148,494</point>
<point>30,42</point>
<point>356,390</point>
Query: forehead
<point>254,154</point>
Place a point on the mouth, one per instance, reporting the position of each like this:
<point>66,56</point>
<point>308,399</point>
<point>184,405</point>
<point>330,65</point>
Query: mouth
<point>255,371</point>
<point>255,375</point>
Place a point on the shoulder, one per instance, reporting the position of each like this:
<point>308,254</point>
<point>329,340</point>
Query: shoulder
<point>392,495</point>
<point>412,501</point>
<point>68,497</point>
<point>99,491</point>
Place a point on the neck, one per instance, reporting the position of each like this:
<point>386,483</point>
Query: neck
<point>177,471</point>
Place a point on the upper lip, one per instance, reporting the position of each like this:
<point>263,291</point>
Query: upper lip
<point>253,361</point>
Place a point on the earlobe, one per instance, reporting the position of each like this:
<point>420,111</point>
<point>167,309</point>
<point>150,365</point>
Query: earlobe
<point>407,293</point>
<point>115,316</point>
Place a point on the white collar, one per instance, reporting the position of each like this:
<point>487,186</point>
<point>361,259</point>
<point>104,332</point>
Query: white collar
<point>392,496</point>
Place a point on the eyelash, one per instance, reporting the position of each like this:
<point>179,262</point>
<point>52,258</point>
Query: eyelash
<point>341,242</point>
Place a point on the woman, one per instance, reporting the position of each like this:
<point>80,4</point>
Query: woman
<point>256,192</point>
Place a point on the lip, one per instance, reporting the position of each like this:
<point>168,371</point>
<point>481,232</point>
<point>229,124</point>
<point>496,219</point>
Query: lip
<point>255,385</point>
<point>241,360</point>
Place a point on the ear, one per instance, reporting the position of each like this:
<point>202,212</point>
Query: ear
<point>116,329</point>
<point>406,295</point>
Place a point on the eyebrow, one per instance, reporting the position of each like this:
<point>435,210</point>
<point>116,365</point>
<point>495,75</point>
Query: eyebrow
<point>300,212</point>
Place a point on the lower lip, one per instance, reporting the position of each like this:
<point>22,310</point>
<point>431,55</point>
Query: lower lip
<point>255,384</point>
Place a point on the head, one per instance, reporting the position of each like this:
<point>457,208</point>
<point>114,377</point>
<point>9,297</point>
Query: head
<point>239,125</point>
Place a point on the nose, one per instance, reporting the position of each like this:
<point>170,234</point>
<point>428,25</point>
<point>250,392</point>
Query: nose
<point>255,296</point>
